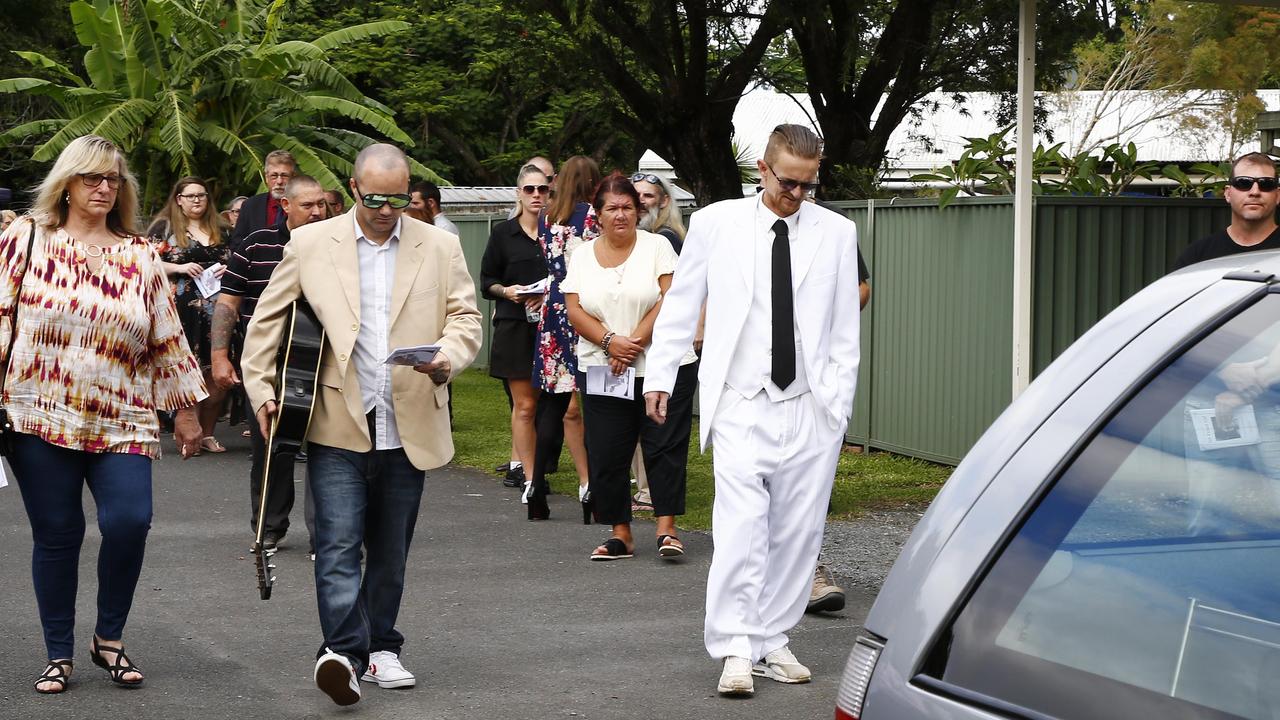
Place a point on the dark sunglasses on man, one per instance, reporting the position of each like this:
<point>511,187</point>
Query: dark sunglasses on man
<point>374,201</point>
<point>646,177</point>
<point>788,185</point>
<point>1244,183</point>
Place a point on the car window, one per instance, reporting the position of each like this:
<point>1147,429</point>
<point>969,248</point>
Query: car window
<point>1145,582</point>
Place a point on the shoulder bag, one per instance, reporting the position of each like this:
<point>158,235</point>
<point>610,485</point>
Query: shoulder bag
<point>6,423</point>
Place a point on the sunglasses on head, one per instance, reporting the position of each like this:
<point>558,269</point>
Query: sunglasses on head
<point>531,189</point>
<point>646,177</point>
<point>374,201</point>
<point>1245,183</point>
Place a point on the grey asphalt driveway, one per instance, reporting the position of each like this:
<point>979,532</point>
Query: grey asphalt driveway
<point>504,618</point>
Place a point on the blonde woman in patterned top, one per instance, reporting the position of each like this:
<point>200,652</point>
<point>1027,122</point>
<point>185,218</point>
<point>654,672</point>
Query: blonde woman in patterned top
<point>98,351</point>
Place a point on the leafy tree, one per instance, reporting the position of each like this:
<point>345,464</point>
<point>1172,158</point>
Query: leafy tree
<point>678,70</point>
<point>478,85</point>
<point>868,64</point>
<point>205,87</point>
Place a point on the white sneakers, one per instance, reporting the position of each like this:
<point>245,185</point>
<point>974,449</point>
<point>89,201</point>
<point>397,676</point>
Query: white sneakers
<point>336,678</point>
<point>386,670</point>
<point>735,679</point>
<point>782,666</point>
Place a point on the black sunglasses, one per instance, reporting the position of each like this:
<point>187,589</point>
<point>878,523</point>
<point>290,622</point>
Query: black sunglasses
<point>531,189</point>
<point>787,184</point>
<point>373,201</point>
<point>1245,183</point>
<point>647,177</point>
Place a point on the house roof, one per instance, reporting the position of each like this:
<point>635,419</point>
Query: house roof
<point>937,135</point>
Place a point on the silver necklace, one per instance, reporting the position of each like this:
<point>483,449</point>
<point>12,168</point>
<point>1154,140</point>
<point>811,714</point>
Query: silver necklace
<point>94,251</point>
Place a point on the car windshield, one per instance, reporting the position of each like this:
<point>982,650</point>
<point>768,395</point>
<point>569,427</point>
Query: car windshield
<point>1144,582</point>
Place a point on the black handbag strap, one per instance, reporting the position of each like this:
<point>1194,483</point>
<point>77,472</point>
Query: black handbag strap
<point>17,302</point>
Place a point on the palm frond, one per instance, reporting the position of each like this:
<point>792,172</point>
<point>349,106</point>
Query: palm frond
<point>376,120</point>
<point>29,129</point>
<point>46,63</point>
<point>125,121</point>
<point>73,129</point>
<point>308,161</point>
<point>358,33</point>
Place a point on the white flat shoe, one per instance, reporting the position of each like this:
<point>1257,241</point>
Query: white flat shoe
<point>386,670</point>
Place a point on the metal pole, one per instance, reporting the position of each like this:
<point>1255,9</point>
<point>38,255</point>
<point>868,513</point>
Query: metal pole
<point>1022,212</point>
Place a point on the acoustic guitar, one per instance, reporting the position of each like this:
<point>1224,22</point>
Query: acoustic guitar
<point>297,372</point>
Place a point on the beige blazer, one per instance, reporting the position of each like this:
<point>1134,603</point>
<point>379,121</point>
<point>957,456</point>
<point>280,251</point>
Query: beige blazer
<point>432,301</point>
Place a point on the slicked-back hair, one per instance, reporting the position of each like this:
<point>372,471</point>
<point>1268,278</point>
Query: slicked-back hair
<point>525,172</point>
<point>576,183</point>
<point>797,140</point>
<point>1254,158</point>
<point>87,154</point>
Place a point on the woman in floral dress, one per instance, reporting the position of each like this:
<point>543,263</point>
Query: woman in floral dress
<point>190,236</point>
<point>570,221</point>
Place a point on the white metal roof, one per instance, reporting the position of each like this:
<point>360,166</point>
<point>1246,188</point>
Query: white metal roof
<point>938,135</point>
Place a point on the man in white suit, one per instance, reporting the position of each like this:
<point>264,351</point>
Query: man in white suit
<point>779,365</point>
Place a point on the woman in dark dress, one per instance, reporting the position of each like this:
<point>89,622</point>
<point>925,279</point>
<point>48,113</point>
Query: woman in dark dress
<point>511,260</point>
<point>190,236</point>
<point>570,221</point>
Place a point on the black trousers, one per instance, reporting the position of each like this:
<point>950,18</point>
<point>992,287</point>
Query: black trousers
<point>548,428</point>
<point>614,425</point>
<point>280,495</point>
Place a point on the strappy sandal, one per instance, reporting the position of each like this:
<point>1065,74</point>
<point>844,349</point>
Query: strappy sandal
<point>669,547</point>
<point>612,549</point>
<point>57,672</point>
<point>211,444</point>
<point>118,669</point>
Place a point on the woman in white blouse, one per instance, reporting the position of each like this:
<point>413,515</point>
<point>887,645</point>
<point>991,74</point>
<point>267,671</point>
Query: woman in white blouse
<point>613,293</point>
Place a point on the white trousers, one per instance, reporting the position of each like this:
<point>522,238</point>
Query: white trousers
<point>774,465</point>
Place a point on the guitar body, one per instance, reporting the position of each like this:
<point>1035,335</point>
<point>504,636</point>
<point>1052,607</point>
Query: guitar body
<point>298,371</point>
<point>297,375</point>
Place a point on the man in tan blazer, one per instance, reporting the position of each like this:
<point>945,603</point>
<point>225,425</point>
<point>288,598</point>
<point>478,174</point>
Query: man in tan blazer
<point>376,281</point>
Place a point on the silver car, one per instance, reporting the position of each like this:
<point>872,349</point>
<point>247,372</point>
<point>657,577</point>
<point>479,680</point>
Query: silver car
<point>1110,548</point>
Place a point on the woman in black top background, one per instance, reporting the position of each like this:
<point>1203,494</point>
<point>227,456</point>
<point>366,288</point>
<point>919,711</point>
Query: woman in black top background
<point>511,259</point>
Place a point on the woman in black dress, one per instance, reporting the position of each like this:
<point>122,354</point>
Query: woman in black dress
<point>190,236</point>
<point>513,259</point>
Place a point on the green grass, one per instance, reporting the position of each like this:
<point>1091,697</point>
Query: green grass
<point>864,481</point>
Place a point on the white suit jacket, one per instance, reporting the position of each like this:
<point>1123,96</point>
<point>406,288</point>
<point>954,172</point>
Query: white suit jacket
<point>717,265</point>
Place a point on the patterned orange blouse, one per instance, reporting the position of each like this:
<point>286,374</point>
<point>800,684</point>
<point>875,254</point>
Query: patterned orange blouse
<point>97,353</point>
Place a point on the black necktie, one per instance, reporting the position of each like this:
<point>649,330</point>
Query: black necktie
<point>783,370</point>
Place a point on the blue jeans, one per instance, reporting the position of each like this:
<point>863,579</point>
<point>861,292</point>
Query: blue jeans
<point>367,500</point>
<point>52,480</point>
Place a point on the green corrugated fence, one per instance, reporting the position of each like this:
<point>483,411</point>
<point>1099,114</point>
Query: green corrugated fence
<point>937,335</point>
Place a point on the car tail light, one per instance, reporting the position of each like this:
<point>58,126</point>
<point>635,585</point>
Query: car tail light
<point>857,675</point>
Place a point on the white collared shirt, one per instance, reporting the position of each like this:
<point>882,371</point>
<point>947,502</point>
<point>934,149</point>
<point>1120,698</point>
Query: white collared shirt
<point>752,362</point>
<point>377,273</point>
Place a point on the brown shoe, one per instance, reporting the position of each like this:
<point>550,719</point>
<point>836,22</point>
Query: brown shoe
<point>825,596</point>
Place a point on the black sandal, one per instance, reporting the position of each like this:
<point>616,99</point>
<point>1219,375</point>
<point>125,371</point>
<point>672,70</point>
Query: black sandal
<point>674,550</point>
<point>57,671</point>
<point>614,549</point>
<point>118,669</point>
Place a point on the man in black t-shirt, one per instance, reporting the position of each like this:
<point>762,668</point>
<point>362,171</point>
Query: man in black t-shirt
<point>1252,193</point>
<point>248,272</point>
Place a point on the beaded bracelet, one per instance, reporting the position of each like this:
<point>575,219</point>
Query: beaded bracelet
<point>604,344</point>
